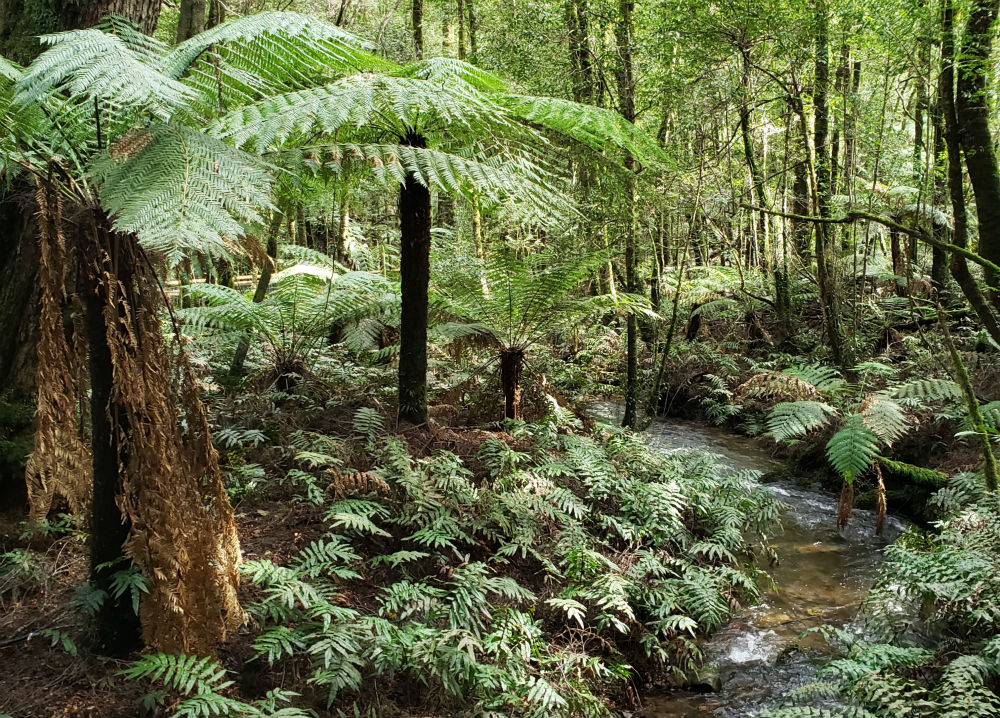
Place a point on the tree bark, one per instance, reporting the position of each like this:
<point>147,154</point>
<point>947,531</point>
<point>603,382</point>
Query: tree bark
<point>946,97</point>
<point>414,271</point>
<point>972,107</point>
<point>417,18</point>
<point>87,13</point>
<point>191,20</point>
<point>829,295</point>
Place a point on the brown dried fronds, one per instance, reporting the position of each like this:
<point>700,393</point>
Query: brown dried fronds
<point>183,533</point>
<point>777,385</point>
<point>881,504</point>
<point>355,482</point>
<point>131,144</point>
<point>60,462</point>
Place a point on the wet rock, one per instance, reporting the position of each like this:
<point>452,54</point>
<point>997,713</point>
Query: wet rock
<point>705,679</point>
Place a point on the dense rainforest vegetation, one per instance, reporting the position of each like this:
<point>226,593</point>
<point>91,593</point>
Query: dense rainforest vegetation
<point>312,313</point>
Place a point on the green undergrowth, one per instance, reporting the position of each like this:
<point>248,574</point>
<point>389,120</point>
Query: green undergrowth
<point>547,575</point>
<point>932,644</point>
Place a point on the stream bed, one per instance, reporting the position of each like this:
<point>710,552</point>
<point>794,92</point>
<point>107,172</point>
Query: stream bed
<point>822,576</point>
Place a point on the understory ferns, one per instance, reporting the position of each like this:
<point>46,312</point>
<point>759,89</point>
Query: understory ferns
<point>515,300</point>
<point>193,687</point>
<point>304,303</point>
<point>573,564</point>
<point>942,587</point>
<point>865,422</point>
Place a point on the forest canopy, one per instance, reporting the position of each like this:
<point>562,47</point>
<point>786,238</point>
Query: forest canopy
<point>314,313</point>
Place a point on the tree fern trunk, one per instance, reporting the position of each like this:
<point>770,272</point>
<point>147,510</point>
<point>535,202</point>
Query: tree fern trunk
<point>414,271</point>
<point>511,368</point>
<point>118,631</point>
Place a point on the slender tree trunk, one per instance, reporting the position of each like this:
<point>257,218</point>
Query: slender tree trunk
<point>417,20</point>
<point>974,131</point>
<point>414,271</point>
<point>191,19</point>
<point>259,294</point>
<point>473,28</point>
<point>461,29</point>
<point>829,294</point>
<point>946,96</point>
<point>343,224</point>
<point>626,100</point>
<point>216,13</point>
<point>511,367</point>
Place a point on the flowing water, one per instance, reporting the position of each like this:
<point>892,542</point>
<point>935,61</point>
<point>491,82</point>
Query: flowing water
<point>822,576</point>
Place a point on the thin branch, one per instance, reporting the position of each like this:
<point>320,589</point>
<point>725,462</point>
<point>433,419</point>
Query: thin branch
<point>855,214</point>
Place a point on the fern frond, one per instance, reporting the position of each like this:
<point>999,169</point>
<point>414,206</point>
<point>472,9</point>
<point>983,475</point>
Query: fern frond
<point>791,420</point>
<point>853,448</point>
<point>180,191</point>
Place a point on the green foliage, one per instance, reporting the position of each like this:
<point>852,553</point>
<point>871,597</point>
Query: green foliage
<point>853,448</point>
<point>792,420</point>
<point>454,610</point>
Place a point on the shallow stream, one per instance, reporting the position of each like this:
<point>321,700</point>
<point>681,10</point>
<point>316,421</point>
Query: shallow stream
<point>822,576</point>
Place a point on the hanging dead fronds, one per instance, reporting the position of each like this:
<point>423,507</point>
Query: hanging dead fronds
<point>777,385</point>
<point>846,506</point>
<point>60,462</point>
<point>183,533</point>
<point>881,504</point>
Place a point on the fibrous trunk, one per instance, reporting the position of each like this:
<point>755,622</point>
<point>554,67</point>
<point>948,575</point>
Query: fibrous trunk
<point>511,368</point>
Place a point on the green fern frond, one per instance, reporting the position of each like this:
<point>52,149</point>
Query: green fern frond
<point>182,192</point>
<point>791,420</point>
<point>853,448</point>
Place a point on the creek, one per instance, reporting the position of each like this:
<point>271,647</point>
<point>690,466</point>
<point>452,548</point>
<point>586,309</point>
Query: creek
<point>821,578</point>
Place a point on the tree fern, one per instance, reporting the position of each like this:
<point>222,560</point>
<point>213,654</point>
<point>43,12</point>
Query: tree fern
<point>853,448</point>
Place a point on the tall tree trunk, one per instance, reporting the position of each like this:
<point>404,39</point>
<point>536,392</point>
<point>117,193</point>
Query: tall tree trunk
<point>414,275</point>
<point>829,294</point>
<point>626,101</point>
<point>973,110</point>
<point>461,29</point>
<point>578,25</point>
<point>946,97</point>
<point>417,20</point>
<point>191,19</point>
<point>473,31</point>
